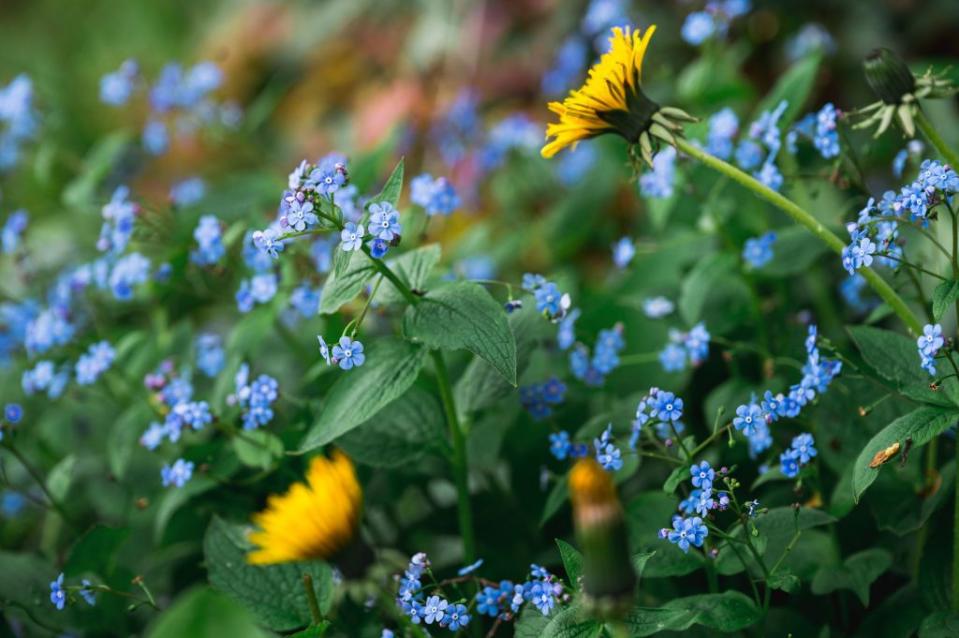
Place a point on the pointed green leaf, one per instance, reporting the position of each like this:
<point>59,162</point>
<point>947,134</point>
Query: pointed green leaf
<point>943,297</point>
<point>203,613</point>
<point>856,573</point>
<point>726,612</point>
<point>393,187</point>
<point>359,394</point>
<point>464,315</point>
<point>342,286</point>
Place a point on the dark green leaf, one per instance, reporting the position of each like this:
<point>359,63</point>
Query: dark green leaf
<point>785,580</point>
<point>463,315</point>
<point>174,498</point>
<point>921,426</point>
<point>942,624</point>
<point>729,611</point>
<point>481,386</point>
<point>404,432</point>
<point>313,631</point>
<point>943,297</point>
<point>572,561</point>
<point>96,551</point>
<point>273,593</point>
<point>856,573</point>
<point>795,250</point>
<point>203,613</point>
<point>571,623</point>
<point>359,394</point>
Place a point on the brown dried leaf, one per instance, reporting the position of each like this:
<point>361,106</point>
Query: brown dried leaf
<point>883,456</point>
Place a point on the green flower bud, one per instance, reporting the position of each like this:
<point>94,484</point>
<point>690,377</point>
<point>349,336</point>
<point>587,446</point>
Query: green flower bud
<point>888,76</point>
<point>609,580</point>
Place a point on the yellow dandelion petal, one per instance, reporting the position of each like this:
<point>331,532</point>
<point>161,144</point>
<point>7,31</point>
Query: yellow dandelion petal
<point>314,519</point>
<point>610,101</point>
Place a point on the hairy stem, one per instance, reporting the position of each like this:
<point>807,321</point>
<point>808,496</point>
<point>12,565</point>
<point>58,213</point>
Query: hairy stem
<point>813,225</point>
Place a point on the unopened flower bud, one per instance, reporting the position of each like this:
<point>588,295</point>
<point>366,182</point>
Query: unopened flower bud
<point>888,76</point>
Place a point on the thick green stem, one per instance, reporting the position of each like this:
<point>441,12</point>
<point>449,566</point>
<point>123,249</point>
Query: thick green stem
<point>813,225</point>
<point>460,462</point>
<point>930,133</point>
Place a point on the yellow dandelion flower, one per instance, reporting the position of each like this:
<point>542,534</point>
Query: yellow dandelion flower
<point>315,519</point>
<point>612,101</point>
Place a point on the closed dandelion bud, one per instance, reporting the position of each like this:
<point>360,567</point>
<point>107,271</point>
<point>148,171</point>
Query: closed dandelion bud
<point>609,579</point>
<point>889,76</point>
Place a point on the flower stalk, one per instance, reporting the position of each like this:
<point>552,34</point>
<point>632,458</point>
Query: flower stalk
<point>805,219</point>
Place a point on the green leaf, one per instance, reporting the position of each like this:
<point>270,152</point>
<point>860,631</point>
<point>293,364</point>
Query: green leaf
<point>530,623</point>
<point>358,395</point>
<point>795,250</point>
<point>942,624</point>
<point>795,86</point>
<point>785,580</point>
<point>413,268</point>
<point>97,164</point>
<point>273,593</point>
<point>480,385</point>
<point>174,498</point>
<point>203,613</point>
<point>856,573</point>
<point>555,500</point>
<point>463,315</point>
<point>404,432</point>
<point>675,478</point>
<point>342,286</point>
<point>921,425</point>
<point>61,477</point>
<point>124,437</point>
<point>313,631</point>
<point>341,262</point>
<point>894,357</point>
<point>257,448</point>
<point>393,187</point>
<point>943,297</point>
<point>726,612</point>
<point>571,623</point>
<point>572,561</point>
<point>701,282</point>
<point>776,529</point>
<point>96,551</point>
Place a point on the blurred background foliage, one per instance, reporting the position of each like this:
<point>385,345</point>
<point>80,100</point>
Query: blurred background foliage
<point>370,79</point>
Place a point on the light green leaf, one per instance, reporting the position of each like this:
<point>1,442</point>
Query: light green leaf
<point>413,268</point>
<point>572,622</point>
<point>700,283</point>
<point>795,86</point>
<point>921,426</point>
<point>257,448</point>
<point>341,262</point>
<point>726,612</point>
<point>203,613</point>
<point>313,631</point>
<point>61,477</point>
<point>675,477</point>
<point>393,187</point>
<point>273,593</point>
<point>856,573</point>
<point>343,285</point>
<point>795,250</point>
<point>408,429</point>
<point>124,437</point>
<point>463,315</point>
<point>97,164</point>
<point>359,394</point>
<point>943,297</point>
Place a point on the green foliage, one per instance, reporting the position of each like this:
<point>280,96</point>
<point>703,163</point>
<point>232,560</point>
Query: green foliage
<point>274,594</point>
<point>391,369</point>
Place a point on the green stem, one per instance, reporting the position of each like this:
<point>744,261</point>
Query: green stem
<point>813,225</point>
<point>40,480</point>
<point>311,599</point>
<point>955,549</point>
<point>460,461</point>
<point>930,133</point>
